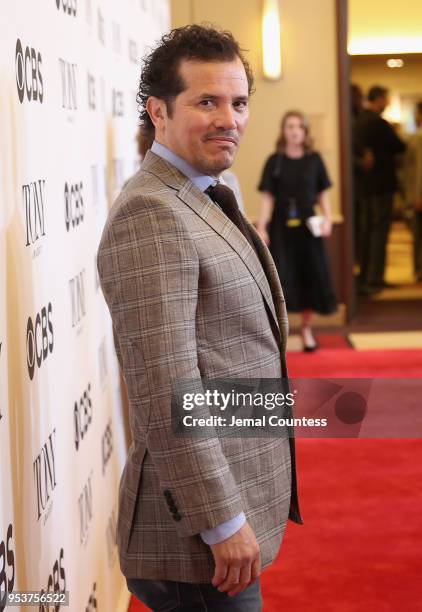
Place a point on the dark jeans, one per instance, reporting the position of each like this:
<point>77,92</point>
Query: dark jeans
<point>169,596</point>
<point>375,218</point>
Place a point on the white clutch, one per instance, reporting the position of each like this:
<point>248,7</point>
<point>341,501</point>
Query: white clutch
<point>314,225</point>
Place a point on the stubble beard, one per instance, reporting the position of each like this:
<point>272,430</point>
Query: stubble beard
<point>214,167</point>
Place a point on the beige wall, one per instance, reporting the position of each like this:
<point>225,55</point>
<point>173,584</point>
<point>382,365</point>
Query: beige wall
<point>309,79</point>
<point>385,26</point>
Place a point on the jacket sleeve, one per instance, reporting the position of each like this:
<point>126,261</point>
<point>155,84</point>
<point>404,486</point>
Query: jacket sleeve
<point>418,169</point>
<point>149,272</point>
<point>391,142</point>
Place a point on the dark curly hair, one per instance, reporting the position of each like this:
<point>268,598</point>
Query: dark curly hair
<point>160,75</point>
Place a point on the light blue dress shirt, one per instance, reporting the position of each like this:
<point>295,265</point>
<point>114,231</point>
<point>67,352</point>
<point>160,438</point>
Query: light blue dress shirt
<point>228,528</point>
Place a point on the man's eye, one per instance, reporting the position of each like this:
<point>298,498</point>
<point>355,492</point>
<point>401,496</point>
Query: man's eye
<point>206,103</point>
<point>241,104</point>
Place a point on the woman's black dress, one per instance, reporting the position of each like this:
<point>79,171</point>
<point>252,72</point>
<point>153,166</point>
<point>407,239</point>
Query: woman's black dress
<point>299,256</point>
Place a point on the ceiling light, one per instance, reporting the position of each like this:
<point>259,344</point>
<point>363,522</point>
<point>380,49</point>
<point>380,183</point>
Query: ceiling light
<point>271,44</point>
<point>395,63</point>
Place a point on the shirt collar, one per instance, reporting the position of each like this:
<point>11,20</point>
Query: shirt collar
<point>202,181</point>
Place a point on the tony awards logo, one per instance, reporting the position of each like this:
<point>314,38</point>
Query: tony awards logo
<point>77,298</point>
<point>85,510</point>
<point>33,203</point>
<point>45,482</point>
<point>68,80</point>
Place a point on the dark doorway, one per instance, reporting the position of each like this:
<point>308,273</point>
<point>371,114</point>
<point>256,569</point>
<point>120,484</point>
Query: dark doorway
<point>400,73</point>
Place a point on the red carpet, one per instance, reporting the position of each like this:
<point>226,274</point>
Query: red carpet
<point>347,363</point>
<point>360,547</point>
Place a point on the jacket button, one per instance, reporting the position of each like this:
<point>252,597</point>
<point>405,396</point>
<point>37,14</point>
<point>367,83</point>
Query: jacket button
<point>177,516</point>
<point>167,494</point>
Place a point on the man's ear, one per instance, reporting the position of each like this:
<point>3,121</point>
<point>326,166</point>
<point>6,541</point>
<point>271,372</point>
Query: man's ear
<point>157,111</point>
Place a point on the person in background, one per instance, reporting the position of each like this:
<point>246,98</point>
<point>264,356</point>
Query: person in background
<point>231,180</point>
<point>356,100</point>
<point>413,182</point>
<point>362,161</point>
<point>293,181</point>
<point>378,185</point>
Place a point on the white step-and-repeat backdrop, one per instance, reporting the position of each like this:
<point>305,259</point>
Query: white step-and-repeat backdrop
<point>68,120</point>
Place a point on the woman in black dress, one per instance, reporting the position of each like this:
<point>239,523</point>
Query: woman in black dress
<point>293,181</point>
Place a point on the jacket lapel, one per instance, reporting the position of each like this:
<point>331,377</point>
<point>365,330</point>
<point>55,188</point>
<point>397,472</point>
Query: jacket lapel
<point>215,218</point>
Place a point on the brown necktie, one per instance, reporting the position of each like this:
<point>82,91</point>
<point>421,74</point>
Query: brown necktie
<point>226,199</point>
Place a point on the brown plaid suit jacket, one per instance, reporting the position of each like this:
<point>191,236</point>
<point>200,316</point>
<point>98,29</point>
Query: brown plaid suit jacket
<point>187,296</point>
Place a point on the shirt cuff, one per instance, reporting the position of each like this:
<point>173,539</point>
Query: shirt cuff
<point>223,530</point>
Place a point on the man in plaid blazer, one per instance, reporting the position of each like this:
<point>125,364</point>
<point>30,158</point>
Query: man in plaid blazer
<point>191,296</point>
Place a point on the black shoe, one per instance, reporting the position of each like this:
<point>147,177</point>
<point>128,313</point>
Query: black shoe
<point>310,349</point>
<point>384,285</point>
<point>368,290</point>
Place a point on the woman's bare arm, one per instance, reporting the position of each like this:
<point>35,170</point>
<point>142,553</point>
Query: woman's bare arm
<point>325,206</point>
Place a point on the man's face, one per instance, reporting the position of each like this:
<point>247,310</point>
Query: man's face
<point>209,117</point>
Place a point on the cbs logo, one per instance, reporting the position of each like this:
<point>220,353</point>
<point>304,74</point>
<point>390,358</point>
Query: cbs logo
<point>39,339</point>
<point>28,73</point>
